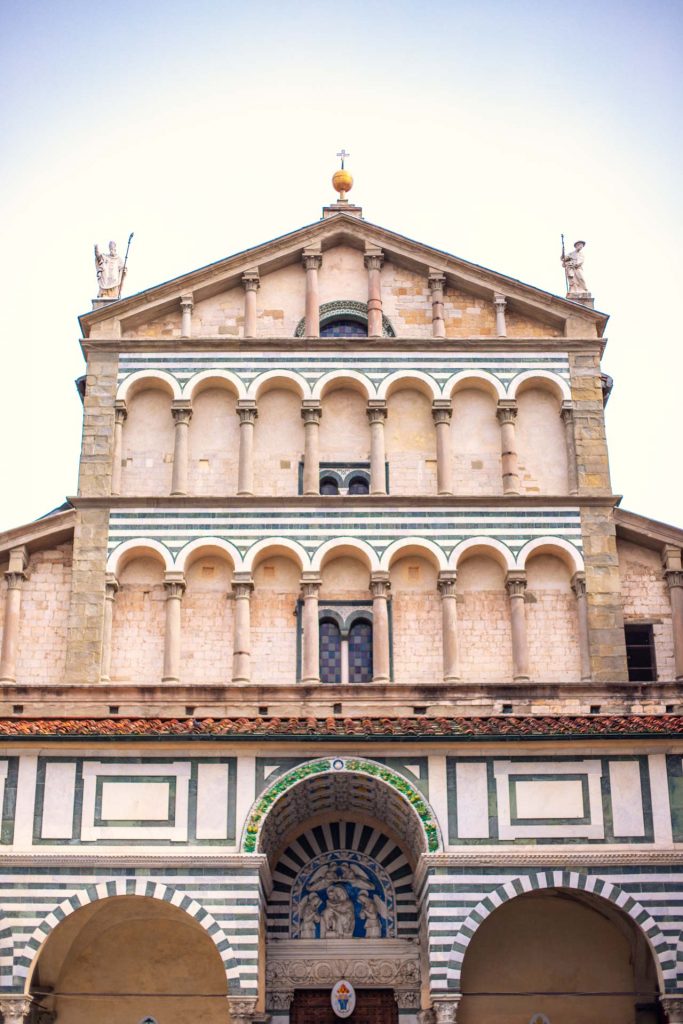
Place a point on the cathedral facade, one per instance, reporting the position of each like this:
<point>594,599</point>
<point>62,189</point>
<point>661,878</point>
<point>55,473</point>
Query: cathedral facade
<point>342,689</point>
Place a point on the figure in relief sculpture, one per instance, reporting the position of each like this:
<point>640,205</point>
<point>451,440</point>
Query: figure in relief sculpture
<point>110,272</point>
<point>372,911</point>
<point>309,916</point>
<point>338,919</point>
<point>573,268</point>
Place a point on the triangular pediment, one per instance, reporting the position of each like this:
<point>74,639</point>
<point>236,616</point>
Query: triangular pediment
<point>343,240</point>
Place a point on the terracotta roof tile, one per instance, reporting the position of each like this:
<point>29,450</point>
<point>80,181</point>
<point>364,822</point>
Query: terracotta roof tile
<point>540,726</point>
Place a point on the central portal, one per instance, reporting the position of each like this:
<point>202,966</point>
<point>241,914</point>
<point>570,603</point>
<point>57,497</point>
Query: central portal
<point>373,1006</point>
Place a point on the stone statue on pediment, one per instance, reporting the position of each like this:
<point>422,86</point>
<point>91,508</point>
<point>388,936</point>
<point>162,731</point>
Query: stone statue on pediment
<point>110,272</point>
<point>573,268</point>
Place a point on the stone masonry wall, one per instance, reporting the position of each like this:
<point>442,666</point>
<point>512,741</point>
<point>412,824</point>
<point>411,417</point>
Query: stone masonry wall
<point>41,649</point>
<point>416,619</point>
<point>273,621</point>
<point>139,623</point>
<point>410,440</point>
<point>485,642</point>
<point>86,612</point>
<point>603,586</point>
<point>589,424</point>
<point>98,425</point>
<point>646,599</point>
<point>552,621</point>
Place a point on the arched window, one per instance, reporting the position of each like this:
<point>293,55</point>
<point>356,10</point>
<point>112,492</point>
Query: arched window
<point>330,652</point>
<point>359,485</point>
<point>328,485</point>
<point>344,328</point>
<point>360,651</point>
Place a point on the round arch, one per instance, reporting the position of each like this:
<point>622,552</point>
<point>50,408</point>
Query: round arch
<point>269,816</point>
<point>288,379</point>
<point>550,381</point>
<point>138,547</point>
<point>345,545</point>
<point>417,546</point>
<point>481,379</point>
<point>208,546</point>
<point>420,380</point>
<point>573,881</point>
<point>142,379</point>
<point>557,546</point>
<point>28,959</point>
<point>214,378</point>
<point>490,546</point>
<point>275,546</point>
<point>352,378</point>
<point>345,309</point>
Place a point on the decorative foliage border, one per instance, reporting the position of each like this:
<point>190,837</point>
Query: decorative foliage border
<point>341,308</point>
<point>326,765</point>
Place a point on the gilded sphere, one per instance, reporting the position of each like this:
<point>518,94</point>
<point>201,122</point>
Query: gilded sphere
<point>342,181</point>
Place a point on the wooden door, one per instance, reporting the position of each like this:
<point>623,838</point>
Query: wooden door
<point>373,1006</point>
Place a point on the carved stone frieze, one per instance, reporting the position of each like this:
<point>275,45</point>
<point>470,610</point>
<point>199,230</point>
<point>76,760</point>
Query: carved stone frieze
<point>286,974</point>
<point>407,999</point>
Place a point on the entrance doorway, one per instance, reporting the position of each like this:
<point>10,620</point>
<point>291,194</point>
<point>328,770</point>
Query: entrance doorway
<point>373,1006</point>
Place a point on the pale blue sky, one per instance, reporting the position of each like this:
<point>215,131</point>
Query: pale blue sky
<point>205,128</point>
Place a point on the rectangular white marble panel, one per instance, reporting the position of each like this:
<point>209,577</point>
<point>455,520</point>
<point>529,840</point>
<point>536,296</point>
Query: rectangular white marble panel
<point>472,800</point>
<point>551,798</point>
<point>135,801</point>
<point>627,798</point>
<point>58,800</point>
<point>163,773</point>
<point>591,768</point>
<point>212,801</point>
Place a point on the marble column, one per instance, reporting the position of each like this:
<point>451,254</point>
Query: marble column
<point>15,1009</point>
<point>182,414</point>
<point>15,576</point>
<point>374,259</point>
<point>499,305</point>
<point>311,412</point>
<point>437,283</point>
<point>252,283</point>
<point>567,414</point>
<point>442,411</point>
<point>579,588</point>
<point>673,574</point>
<point>242,588</point>
<point>310,588</point>
<point>507,414</point>
<point>516,588</point>
<point>377,414</point>
<point>120,414</point>
<point>186,307</point>
<point>174,582</point>
<point>248,413</point>
<point>312,262</point>
<point>111,587</point>
<point>381,661</point>
<point>673,1007</point>
<point>449,625</point>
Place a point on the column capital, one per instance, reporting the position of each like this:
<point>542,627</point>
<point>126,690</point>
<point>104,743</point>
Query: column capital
<point>674,578</point>
<point>442,410</point>
<point>567,412</point>
<point>246,410</point>
<point>187,302</point>
<point>15,1009</point>
<point>311,410</point>
<point>499,301</point>
<point>506,411</point>
<point>578,583</point>
<point>242,1009</point>
<point>242,584</point>
<point>673,1007</point>
<point>373,258</point>
<point>111,586</point>
<point>174,582</point>
<point>310,583</point>
<point>446,581</point>
<point>120,410</point>
<point>280,1000</point>
<point>377,410</point>
<point>515,583</point>
<point>251,280</point>
<point>15,580</point>
<point>437,279</point>
<point>181,410</point>
<point>671,557</point>
<point>380,584</point>
<point>311,260</point>
<point>446,1008</point>
<point>18,559</point>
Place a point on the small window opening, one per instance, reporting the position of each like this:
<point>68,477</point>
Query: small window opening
<point>595,709</point>
<point>507,709</point>
<point>336,709</point>
<point>359,485</point>
<point>17,709</point>
<point>263,710</point>
<point>113,709</point>
<point>328,485</point>
<point>669,709</point>
<point>189,709</point>
<point>640,653</point>
<point>344,328</point>
<point>420,709</point>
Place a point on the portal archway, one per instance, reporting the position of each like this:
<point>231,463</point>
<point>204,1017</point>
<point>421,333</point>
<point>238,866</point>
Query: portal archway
<point>126,958</point>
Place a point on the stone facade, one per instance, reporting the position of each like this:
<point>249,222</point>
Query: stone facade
<point>323,673</point>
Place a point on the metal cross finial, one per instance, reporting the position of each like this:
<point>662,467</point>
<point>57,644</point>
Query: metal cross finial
<point>343,155</point>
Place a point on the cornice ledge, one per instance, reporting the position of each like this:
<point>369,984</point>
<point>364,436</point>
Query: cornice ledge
<point>163,859</point>
<point>523,857</point>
